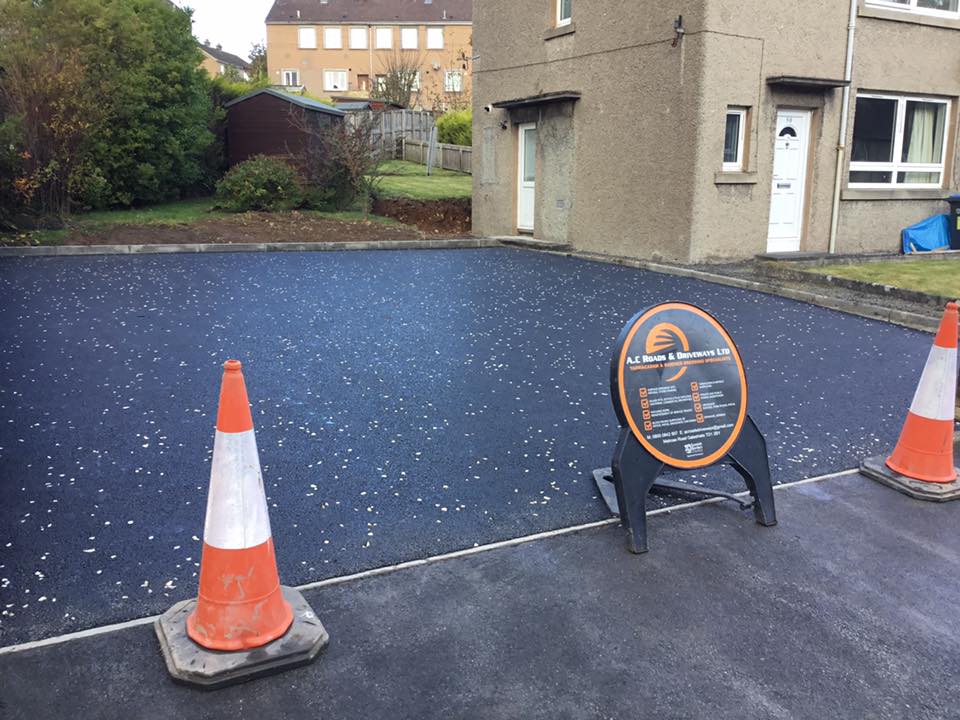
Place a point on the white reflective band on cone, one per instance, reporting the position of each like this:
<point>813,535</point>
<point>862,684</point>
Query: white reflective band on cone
<point>237,505</point>
<point>936,394</point>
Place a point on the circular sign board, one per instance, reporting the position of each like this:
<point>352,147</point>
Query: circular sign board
<point>677,381</point>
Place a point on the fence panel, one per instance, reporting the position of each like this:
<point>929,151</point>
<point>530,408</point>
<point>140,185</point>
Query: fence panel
<point>451,157</point>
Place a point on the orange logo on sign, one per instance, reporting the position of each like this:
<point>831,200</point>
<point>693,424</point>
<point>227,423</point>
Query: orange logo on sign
<point>665,337</point>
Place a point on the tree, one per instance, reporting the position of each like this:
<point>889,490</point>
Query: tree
<point>258,62</point>
<point>343,161</point>
<point>399,78</point>
<point>107,101</point>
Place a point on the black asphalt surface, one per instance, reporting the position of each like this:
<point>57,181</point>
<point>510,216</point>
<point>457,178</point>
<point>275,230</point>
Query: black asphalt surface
<point>847,609</point>
<point>407,404</point>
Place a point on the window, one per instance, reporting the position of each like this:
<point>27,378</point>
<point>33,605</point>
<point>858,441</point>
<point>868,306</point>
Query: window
<point>435,38</point>
<point>363,83</point>
<point>409,38</point>
<point>307,38</point>
<point>358,38</point>
<point>332,38</point>
<point>380,82</point>
<point>898,141</point>
<point>564,12</point>
<point>415,84</point>
<point>453,81</point>
<point>383,38</point>
<point>943,8</point>
<point>733,139</point>
<point>335,80</point>
<point>291,77</point>
<point>223,69</point>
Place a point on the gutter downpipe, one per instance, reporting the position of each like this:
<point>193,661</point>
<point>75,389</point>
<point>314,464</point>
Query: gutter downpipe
<point>844,118</point>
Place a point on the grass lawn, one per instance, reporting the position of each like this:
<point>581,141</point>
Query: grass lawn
<point>937,277</point>
<point>410,180</point>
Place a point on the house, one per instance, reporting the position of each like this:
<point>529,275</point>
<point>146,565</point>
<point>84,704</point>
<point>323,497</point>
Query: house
<point>218,62</point>
<point>274,122</point>
<point>708,129</point>
<point>346,47</point>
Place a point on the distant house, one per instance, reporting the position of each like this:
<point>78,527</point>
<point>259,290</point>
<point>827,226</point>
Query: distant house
<point>347,47</point>
<point>274,122</point>
<point>218,62</point>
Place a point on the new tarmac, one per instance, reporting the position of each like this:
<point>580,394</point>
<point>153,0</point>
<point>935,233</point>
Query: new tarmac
<point>407,404</point>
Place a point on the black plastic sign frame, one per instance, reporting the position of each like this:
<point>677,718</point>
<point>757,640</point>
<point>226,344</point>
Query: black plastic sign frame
<point>680,393</point>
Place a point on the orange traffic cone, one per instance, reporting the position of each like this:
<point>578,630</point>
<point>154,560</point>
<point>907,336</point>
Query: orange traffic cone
<point>925,449</point>
<point>240,605</point>
<point>921,464</point>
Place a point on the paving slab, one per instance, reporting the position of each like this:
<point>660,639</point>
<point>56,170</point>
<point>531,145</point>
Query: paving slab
<point>407,403</point>
<point>846,609</point>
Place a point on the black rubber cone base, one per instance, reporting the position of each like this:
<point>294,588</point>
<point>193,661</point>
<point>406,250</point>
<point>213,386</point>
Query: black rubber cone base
<point>876,468</point>
<point>192,664</point>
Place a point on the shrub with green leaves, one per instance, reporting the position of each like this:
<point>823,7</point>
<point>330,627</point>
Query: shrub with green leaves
<point>456,127</point>
<point>260,183</point>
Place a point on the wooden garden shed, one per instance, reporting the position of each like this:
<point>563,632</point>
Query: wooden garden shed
<point>271,122</point>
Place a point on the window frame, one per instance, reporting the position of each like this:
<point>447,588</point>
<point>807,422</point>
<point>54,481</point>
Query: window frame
<point>294,72</point>
<point>331,29</point>
<point>446,83</point>
<point>366,37</point>
<point>300,31</point>
<point>914,8</point>
<point>897,165</point>
<point>739,164</point>
<point>416,34</point>
<point>563,21</point>
<point>435,29</point>
<point>346,80</point>
<point>376,38</point>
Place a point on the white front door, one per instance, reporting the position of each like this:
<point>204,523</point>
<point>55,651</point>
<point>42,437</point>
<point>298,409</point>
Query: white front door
<point>526,176</point>
<point>789,180</point>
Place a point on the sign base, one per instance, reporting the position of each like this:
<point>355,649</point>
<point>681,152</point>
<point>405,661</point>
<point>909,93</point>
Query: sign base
<point>603,477</point>
<point>635,472</point>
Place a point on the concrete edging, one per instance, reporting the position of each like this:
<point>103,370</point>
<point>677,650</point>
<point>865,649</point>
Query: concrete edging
<point>74,250</point>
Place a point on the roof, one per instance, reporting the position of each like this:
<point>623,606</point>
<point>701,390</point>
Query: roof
<point>371,11</point>
<point>541,99</point>
<point>354,106</point>
<point>225,57</point>
<point>303,102</point>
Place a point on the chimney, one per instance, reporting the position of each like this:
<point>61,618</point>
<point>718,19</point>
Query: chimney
<point>219,46</point>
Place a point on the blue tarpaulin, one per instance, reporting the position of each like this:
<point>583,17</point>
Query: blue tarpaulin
<point>930,234</point>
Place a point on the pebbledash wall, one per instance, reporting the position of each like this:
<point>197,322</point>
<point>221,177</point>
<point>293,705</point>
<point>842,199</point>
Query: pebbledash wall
<point>631,125</point>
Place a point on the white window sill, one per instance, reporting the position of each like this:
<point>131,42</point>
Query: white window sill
<point>880,13</point>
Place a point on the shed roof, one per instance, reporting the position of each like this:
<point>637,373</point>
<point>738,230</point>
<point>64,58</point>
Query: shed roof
<point>303,102</point>
<point>371,11</point>
<point>225,57</point>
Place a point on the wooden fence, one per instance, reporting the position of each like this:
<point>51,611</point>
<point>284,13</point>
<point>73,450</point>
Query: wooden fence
<point>449,157</point>
<point>391,126</point>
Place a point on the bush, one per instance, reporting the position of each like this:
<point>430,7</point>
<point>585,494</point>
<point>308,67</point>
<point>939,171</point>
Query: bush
<point>456,128</point>
<point>260,183</point>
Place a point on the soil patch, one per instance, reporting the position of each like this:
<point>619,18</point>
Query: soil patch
<point>432,217</point>
<point>245,228</point>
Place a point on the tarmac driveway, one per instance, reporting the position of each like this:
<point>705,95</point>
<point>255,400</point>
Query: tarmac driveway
<point>407,404</point>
